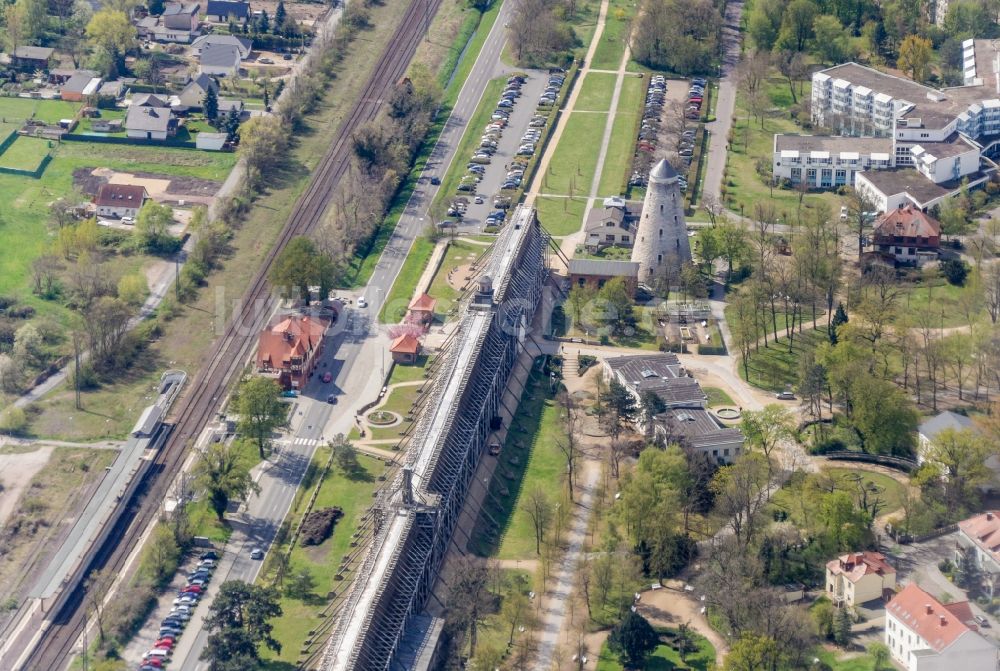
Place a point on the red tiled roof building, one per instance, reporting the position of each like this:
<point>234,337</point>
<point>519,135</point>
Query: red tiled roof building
<point>288,349</point>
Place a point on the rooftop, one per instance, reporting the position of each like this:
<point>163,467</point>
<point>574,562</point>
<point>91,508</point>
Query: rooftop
<point>405,344</point>
<point>938,624</point>
<point>34,53</point>
<point>921,190</point>
<point>984,531</point>
<point>423,303</point>
<point>148,118</point>
<point>907,222</point>
<point>115,195</point>
<point>835,144</point>
<point>856,565</point>
<point>603,268</point>
<point>953,145</point>
<point>290,337</point>
<point>220,55</point>
<point>944,420</point>
<point>696,427</point>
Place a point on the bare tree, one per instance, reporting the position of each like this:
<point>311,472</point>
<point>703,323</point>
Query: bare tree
<point>538,507</point>
<point>569,443</point>
<point>860,212</point>
<point>991,289</point>
<point>97,587</point>
<point>469,597</point>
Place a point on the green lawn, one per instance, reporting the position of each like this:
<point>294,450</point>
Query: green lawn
<point>353,494</point>
<point>936,299</point>
<point>406,282</point>
<point>399,401</point>
<point>596,92</point>
<point>532,441</point>
<point>852,662</point>
<point>621,147</point>
<point>609,52</point>
<point>571,170</point>
<point>561,216</point>
<point>50,111</point>
<point>459,254</point>
<point>665,658</point>
<point>892,489</point>
<point>410,373</point>
<point>774,367</point>
<point>717,397</point>
<point>742,184</point>
<point>25,154</point>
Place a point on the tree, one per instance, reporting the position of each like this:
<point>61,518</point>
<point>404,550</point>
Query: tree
<point>301,584</point>
<point>961,458</point>
<point>258,403</point>
<point>764,22</point>
<point>633,639</point>
<point>569,443</point>
<point>839,319</point>
<point>860,207</point>
<point>955,271</point>
<point>652,405</point>
<point>538,507</point>
<point>223,477</point>
<point>24,21</point>
<point>471,600</point>
<point>133,289</point>
<point>152,227</point>
<point>345,455</point>
<point>111,32</point>
<point>232,125</point>
<point>578,299</point>
<point>797,25</point>
<point>678,35</point>
<point>742,489</point>
<point>301,265</point>
<point>516,612</point>
<point>915,55</point>
<point>263,143</point>
<point>106,322</point>
<point>617,304</point>
<point>752,652</point>
<point>764,429</point>
<point>45,275</point>
<point>883,416</point>
<point>842,627</point>
<point>96,587</point>
<point>879,654</point>
<point>620,404</point>
<point>238,623</point>
<point>155,7</point>
<point>279,17</point>
<point>832,41</point>
<point>211,104</point>
<point>991,289</point>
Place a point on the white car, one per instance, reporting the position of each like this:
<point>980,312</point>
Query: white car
<point>362,302</point>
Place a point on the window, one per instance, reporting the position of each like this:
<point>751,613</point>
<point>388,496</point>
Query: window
<point>625,238</point>
<point>661,232</point>
<point>661,207</point>
<point>610,237</point>
<point>659,258</point>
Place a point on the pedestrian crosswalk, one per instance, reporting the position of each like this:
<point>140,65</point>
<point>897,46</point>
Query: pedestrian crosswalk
<point>292,440</point>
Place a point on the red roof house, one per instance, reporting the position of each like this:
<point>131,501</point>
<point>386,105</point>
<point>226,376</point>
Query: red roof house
<point>120,200</point>
<point>982,532</point>
<point>909,234</point>
<point>289,348</point>
<point>857,577</point>
<point>421,310</point>
<point>923,633</point>
<point>405,349</point>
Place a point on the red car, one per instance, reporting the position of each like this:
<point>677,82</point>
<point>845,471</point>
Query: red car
<point>164,644</point>
<point>153,661</point>
<point>191,589</point>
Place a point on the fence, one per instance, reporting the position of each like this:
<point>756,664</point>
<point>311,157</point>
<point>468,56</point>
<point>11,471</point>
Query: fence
<point>104,139</point>
<point>899,463</point>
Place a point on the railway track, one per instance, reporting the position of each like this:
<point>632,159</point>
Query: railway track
<point>196,408</point>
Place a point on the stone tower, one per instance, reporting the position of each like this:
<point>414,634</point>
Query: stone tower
<point>661,237</point>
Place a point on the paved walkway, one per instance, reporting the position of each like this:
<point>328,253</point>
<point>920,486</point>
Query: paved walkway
<point>725,102</point>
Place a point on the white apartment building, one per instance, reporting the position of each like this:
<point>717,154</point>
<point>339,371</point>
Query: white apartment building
<point>923,634</point>
<point>936,139</point>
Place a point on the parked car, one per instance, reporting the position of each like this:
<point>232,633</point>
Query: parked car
<point>211,554</point>
<point>478,200</point>
<point>435,181</point>
<point>256,553</point>
<point>785,396</point>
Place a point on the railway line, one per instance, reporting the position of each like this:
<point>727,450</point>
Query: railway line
<point>195,409</point>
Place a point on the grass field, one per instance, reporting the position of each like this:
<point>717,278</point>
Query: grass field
<point>621,147</point>
<point>750,142</point>
<point>561,216</point>
<point>532,440</point>
<point>50,111</point>
<point>573,163</point>
<point>596,92</point>
<point>406,282</point>
<point>459,254</point>
<point>937,299</point>
<point>399,401</point>
<point>774,367</point>
<point>25,154</point>
<point>665,658</point>
<point>410,373</point>
<point>353,495</point>
<point>611,48</point>
<point>892,490</point>
<point>717,397</point>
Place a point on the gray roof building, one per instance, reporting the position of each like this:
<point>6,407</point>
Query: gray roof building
<point>244,45</point>
<point>603,267</point>
<point>33,53</point>
<point>220,56</point>
<point>223,9</point>
<point>930,429</point>
<point>153,119</point>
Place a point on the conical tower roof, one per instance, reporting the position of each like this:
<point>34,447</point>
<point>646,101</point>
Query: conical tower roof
<point>663,172</point>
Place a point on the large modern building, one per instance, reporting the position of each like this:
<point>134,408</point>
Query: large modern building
<point>936,140</point>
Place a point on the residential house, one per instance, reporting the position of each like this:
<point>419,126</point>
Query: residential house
<point>982,532</point>
<point>930,429</point>
<point>60,76</point>
<point>113,91</point>
<point>82,85</point>
<point>405,349</point>
<point>222,11</point>
<point>31,58</point>
<point>421,310</point>
<point>611,226</point>
<point>150,123</point>
<point>192,96</point>
<point>181,16</point>
<point>149,100</point>
<point>685,421</point>
<point>923,634</point>
<point>911,236</point>
<point>289,349</point>
<point>858,577</point>
<point>241,43</point>
<point>120,200</point>
<point>222,60</point>
<point>595,273</point>
<point>230,105</point>
<point>107,125</point>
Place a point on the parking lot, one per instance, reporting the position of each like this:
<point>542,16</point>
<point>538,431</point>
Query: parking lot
<point>666,132</point>
<point>494,173</point>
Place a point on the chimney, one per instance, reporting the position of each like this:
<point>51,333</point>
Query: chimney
<point>943,621</point>
<point>989,516</point>
<point>929,609</point>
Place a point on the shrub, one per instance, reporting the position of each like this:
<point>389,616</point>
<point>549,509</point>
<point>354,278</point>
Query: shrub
<point>955,271</point>
<point>584,362</point>
<point>88,378</point>
<point>828,445</point>
<point>13,420</point>
<point>318,525</point>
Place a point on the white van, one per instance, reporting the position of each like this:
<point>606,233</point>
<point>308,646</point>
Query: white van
<point>159,653</point>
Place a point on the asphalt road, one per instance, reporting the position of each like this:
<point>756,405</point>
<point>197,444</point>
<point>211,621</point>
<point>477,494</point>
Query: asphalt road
<point>356,354</point>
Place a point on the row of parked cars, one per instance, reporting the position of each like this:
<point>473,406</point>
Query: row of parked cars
<point>490,140</point>
<point>649,131</point>
<point>695,97</point>
<point>181,611</point>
